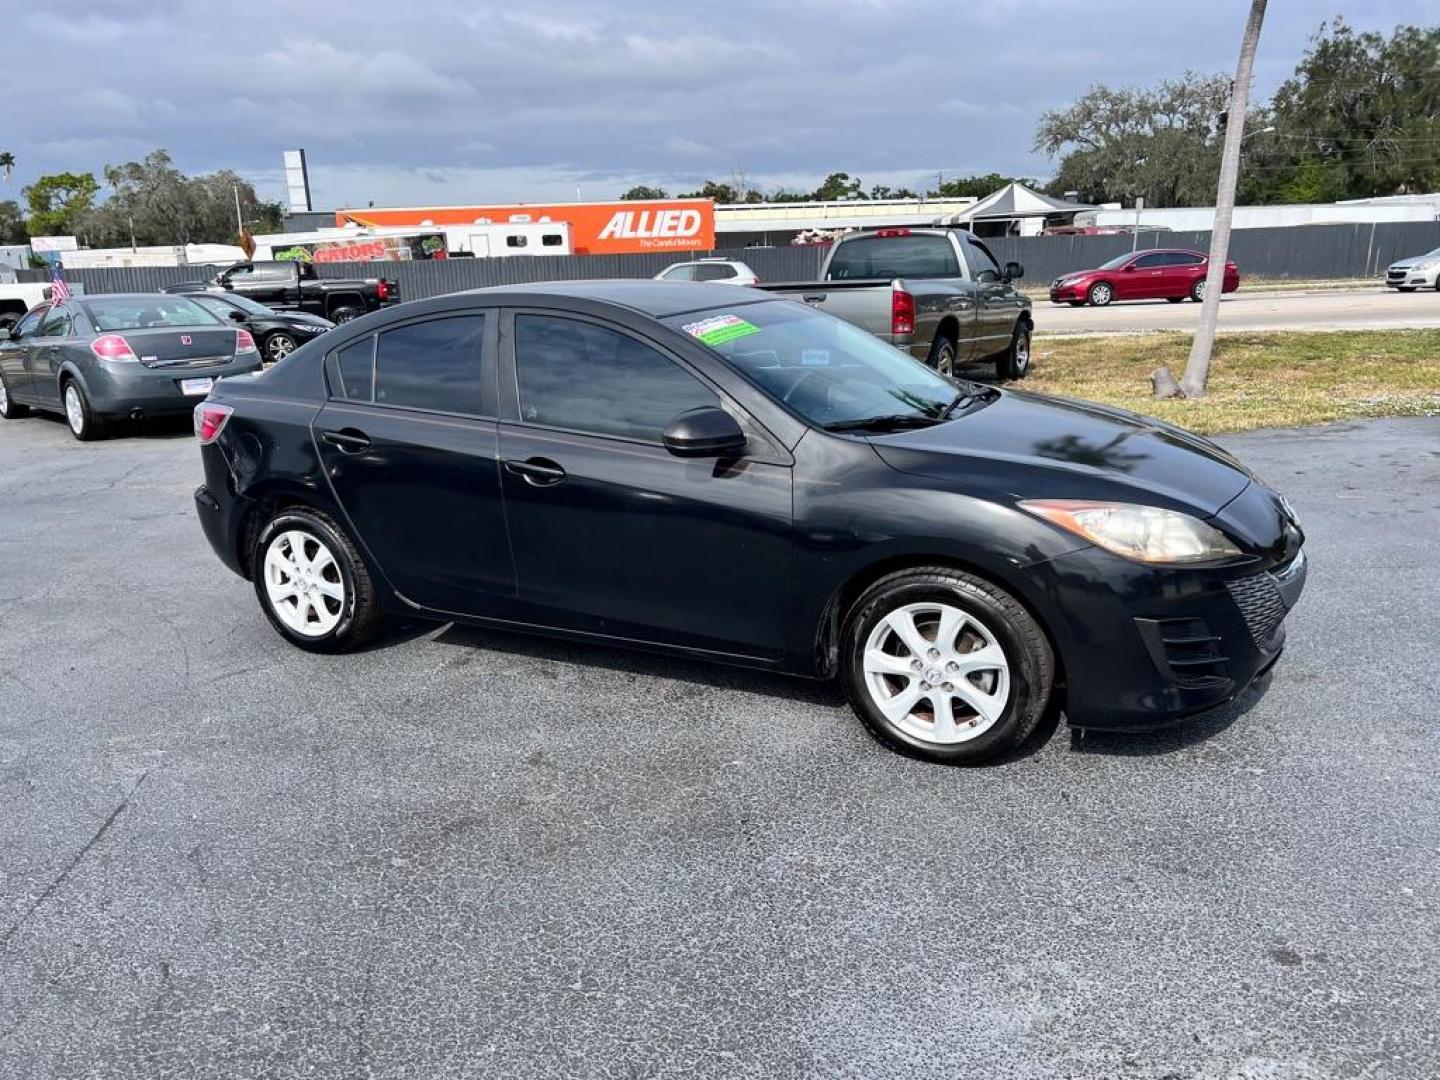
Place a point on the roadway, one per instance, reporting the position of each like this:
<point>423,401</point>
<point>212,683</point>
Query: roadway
<point>1373,308</point>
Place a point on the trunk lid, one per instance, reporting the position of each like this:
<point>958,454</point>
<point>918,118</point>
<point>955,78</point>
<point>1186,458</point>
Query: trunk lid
<point>182,347</point>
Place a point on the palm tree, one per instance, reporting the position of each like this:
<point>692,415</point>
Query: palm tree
<point>7,162</point>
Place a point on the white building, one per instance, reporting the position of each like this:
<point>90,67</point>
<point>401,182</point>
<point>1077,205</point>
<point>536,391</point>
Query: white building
<point>1202,218</point>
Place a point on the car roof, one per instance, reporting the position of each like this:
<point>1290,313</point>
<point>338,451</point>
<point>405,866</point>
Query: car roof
<point>658,299</point>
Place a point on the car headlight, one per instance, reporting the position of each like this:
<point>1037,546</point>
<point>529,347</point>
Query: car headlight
<point>1430,265</point>
<point>1144,533</point>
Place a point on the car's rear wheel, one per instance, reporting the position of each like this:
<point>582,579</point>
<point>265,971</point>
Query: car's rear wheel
<point>1100,294</point>
<point>312,583</point>
<point>10,409</point>
<point>942,355</point>
<point>945,666</point>
<point>84,424</point>
<point>278,346</point>
<point>1197,291</point>
<point>1014,363</point>
<point>346,314</point>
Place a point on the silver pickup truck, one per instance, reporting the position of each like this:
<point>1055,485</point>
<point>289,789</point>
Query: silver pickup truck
<point>937,293</point>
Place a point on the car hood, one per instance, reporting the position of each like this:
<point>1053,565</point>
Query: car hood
<point>1030,446</point>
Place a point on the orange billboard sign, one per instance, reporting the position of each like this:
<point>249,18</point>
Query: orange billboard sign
<point>598,228</point>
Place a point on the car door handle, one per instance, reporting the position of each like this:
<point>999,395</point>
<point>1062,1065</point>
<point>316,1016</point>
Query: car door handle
<point>348,440</point>
<point>538,471</point>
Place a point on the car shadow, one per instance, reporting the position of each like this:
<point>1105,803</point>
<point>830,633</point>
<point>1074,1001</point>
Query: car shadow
<point>1172,739</point>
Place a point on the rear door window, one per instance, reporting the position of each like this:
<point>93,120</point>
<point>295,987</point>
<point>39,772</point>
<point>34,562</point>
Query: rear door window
<point>583,377</point>
<point>431,365</point>
<point>714,272</point>
<point>352,370</point>
<point>56,324</point>
<point>894,256</point>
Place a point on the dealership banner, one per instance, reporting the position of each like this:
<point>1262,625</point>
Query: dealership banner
<point>366,249</point>
<point>608,228</point>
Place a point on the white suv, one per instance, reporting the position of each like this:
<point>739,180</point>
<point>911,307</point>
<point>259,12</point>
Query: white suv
<point>724,271</point>
<point>1419,272</point>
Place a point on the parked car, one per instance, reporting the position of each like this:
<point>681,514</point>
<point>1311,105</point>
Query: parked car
<point>1419,272</point>
<point>1171,274</point>
<point>720,271</point>
<point>295,286</point>
<point>95,359</point>
<point>746,479</point>
<point>939,294</point>
<point>278,333</point>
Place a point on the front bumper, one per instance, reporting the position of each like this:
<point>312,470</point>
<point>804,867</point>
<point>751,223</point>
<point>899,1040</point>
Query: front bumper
<point>1066,294</point>
<point>1410,278</point>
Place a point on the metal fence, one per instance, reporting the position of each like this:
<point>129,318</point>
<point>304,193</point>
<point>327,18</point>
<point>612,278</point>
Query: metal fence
<point>437,277</point>
<point>1309,251</point>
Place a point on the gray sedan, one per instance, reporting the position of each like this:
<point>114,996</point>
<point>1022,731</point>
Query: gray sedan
<point>95,359</point>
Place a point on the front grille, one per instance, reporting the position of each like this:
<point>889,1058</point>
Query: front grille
<point>1398,275</point>
<point>1261,604</point>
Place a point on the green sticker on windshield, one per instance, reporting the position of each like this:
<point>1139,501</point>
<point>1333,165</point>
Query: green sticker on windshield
<point>720,329</point>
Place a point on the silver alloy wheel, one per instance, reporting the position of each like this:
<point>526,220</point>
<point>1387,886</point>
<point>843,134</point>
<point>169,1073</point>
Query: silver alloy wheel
<point>279,346</point>
<point>1199,290</point>
<point>303,583</point>
<point>4,398</point>
<point>74,410</point>
<point>936,673</point>
<point>1100,295</point>
<point>945,359</point>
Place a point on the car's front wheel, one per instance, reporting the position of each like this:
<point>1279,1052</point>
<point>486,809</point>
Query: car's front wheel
<point>10,409</point>
<point>1100,294</point>
<point>278,346</point>
<point>946,666</point>
<point>312,583</point>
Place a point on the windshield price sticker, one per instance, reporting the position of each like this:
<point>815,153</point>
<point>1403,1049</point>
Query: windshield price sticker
<point>720,329</point>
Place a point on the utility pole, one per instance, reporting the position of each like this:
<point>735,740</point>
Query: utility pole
<point>1135,236</point>
<point>1197,369</point>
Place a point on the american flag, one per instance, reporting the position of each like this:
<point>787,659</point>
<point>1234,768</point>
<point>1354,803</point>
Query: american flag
<point>59,287</point>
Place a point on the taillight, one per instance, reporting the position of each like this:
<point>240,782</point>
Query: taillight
<point>210,421</point>
<point>382,289</point>
<point>244,342</point>
<point>113,347</point>
<point>892,232</point>
<point>902,313</point>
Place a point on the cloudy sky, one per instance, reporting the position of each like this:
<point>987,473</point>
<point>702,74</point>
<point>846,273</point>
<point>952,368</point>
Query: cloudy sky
<point>457,101</point>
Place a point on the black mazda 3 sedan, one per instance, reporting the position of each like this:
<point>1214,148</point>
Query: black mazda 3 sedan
<point>709,471</point>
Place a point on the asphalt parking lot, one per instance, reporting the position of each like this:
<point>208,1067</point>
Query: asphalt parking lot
<point>468,854</point>
<point>1374,308</point>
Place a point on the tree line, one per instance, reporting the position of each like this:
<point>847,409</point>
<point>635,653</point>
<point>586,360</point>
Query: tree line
<point>1359,117</point>
<point>147,202</point>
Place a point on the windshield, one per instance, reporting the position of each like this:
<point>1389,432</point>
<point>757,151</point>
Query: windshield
<point>826,370</point>
<point>1117,262</point>
<point>221,305</point>
<point>144,312</point>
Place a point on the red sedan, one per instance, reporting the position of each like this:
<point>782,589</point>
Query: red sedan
<point>1167,273</point>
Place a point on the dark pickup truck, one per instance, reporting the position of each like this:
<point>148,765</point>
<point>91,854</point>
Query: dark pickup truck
<point>295,286</point>
<point>939,294</point>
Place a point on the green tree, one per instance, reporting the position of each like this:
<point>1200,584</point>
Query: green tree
<point>720,192</point>
<point>645,191</point>
<point>1161,143</point>
<point>12,223</point>
<point>1365,108</point>
<point>885,191</point>
<point>838,185</point>
<point>60,203</point>
<point>155,203</point>
<point>977,186</point>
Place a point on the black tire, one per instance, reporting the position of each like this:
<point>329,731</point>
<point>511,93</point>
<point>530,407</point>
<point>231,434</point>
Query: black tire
<point>1076,303</point>
<point>1027,652</point>
<point>1411,288</point>
<point>1014,362</point>
<point>1175,299</point>
<point>1100,294</point>
<point>942,355</point>
<point>277,346</point>
<point>10,409</point>
<point>1197,291</point>
<point>84,425</point>
<point>360,614</point>
<point>346,313</point>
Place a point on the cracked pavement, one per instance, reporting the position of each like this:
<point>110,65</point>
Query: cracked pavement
<point>465,853</point>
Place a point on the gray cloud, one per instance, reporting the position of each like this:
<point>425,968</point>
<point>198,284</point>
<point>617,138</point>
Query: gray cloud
<point>437,101</point>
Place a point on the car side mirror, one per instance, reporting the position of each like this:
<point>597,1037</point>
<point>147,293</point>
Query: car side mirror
<point>1014,271</point>
<point>704,432</point>
<point>1127,268</point>
<point>237,316</point>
